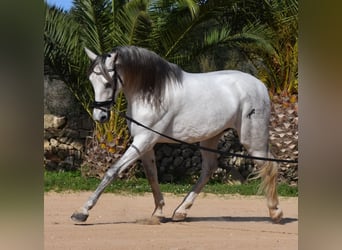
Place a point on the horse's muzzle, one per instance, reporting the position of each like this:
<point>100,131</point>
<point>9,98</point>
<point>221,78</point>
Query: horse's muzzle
<point>101,115</point>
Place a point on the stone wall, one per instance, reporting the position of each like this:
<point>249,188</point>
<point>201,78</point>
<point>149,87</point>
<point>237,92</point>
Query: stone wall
<point>66,127</point>
<point>182,162</point>
<point>64,144</point>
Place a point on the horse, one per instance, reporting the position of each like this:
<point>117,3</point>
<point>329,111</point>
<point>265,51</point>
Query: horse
<point>191,107</point>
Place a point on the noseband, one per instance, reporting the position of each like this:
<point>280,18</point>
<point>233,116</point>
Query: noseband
<point>106,105</point>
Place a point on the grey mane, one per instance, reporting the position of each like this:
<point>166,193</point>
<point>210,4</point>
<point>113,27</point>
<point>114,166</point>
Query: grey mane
<point>145,73</point>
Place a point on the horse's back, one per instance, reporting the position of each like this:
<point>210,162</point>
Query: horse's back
<point>232,86</point>
<point>208,103</point>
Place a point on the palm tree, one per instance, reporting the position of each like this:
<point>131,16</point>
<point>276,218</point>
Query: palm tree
<point>282,64</point>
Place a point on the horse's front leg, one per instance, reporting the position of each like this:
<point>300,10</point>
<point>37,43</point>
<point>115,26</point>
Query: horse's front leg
<point>149,163</point>
<point>129,157</point>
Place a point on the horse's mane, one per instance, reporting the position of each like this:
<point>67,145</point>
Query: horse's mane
<point>145,73</point>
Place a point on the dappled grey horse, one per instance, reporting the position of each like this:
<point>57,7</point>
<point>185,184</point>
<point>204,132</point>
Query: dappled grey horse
<point>186,106</point>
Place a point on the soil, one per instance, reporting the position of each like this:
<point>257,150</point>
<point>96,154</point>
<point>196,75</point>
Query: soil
<point>123,222</point>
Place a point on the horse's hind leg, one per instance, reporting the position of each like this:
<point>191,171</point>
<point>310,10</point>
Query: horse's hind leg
<point>150,168</point>
<point>209,165</point>
<point>254,136</point>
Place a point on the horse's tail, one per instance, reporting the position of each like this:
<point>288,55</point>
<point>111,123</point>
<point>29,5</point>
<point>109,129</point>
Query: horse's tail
<point>269,174</point>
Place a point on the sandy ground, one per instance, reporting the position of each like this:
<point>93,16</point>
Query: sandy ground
<point>214,222</point>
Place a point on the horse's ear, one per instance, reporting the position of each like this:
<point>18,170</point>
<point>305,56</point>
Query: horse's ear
<point>90,54</point>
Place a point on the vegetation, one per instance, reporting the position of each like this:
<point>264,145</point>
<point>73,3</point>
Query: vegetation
<point>281,66</point>
<point>260,37</point>
<point>65,181</point>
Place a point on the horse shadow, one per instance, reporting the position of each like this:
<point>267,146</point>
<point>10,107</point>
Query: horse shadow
<point>239,219</point>
<point>223,219</point>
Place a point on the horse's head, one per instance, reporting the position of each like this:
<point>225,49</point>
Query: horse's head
<point>106,83</point>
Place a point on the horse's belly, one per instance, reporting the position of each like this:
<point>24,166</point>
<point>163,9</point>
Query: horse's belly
<point>200,126</point>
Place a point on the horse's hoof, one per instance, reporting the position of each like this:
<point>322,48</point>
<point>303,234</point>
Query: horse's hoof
<point>160,218</point>
<point>276,215</point>
<point>158,214</point>
<point>179,216</point>
<point>79,217</point>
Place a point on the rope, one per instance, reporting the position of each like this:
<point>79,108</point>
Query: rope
<point>205,148</point>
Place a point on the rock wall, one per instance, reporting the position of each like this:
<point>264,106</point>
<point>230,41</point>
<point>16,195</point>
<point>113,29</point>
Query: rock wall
<point>66,127</point>
<point>63,144</point>
<point>182,162</point>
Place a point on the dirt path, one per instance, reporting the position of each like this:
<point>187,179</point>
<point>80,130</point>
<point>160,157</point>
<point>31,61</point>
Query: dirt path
<point>214,222</point>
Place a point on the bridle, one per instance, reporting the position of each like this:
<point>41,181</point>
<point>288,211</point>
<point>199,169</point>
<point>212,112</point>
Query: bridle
<point>106,105</point>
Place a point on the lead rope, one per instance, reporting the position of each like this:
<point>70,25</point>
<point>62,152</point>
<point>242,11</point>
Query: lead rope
<point>122,114</point>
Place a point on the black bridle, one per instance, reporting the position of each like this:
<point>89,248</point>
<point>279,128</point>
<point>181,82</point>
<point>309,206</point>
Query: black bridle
<point>106,105</point>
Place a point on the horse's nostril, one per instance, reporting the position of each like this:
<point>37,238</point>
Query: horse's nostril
<point>100,115</point>
<point>103,118</point>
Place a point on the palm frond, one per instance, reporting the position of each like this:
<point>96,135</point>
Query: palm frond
<point>61,43</point>
<point>96,22</point>
<point>133,24</point>
<point>171,25</point>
